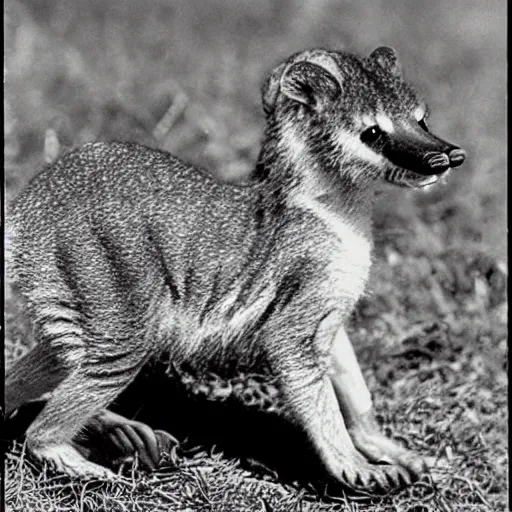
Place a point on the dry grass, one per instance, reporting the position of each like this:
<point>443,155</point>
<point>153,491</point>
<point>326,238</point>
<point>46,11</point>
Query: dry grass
<point>432,333</point>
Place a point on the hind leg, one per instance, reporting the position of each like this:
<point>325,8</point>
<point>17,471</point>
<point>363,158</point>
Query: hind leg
<point>40,371</point>
<point>86,390</point>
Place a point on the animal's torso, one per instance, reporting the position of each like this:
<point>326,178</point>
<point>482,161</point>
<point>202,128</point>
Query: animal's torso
<point>155,247</point>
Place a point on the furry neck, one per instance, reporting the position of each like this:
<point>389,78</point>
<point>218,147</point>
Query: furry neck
<point>289,173</point>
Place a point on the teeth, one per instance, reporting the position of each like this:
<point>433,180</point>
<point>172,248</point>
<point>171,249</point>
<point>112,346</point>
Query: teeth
<point>428,181</point>
<point>412,180</point>
<point>418,182</point>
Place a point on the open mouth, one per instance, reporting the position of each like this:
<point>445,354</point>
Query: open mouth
<point>410,179</point>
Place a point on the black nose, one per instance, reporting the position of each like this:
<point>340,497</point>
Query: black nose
<point>457,157</point>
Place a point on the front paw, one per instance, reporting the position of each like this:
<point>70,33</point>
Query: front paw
<point>357,473</point>
<point>378,449</point>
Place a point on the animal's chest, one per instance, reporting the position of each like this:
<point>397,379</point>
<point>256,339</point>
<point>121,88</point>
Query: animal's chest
<point>346,256</point>
<point>349,259</point>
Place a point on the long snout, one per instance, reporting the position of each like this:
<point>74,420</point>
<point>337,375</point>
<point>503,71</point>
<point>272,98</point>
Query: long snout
<point>421,152</point>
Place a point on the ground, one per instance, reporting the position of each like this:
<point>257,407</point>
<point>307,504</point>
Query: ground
<point>432,332</point>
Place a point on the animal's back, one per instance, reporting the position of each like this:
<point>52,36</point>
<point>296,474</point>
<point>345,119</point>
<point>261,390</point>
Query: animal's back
<point>129,199</point>
<point>138,241</point>
<point>99,176</point>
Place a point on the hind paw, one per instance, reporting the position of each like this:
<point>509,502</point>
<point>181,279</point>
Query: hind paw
<point>64,458</point>
<point>130,437</point>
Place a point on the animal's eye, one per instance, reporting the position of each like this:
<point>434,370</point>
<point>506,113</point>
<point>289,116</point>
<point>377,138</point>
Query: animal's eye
<point>371,134</point>
<point>423,124</point>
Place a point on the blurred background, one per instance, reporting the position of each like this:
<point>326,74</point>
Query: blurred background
<point>103,70</point>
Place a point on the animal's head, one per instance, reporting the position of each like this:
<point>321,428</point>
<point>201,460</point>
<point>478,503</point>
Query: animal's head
<point>356,115</point>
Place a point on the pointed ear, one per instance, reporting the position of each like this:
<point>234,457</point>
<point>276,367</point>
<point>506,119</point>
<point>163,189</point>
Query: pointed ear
<point>271,88</point>
<point>314,81</point>
<point>387,58</point>
<point>310,84</point>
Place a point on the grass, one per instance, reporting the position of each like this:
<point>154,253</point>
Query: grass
<point>431,334</point>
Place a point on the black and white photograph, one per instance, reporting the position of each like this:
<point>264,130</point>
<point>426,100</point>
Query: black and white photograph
<point>255,256</point>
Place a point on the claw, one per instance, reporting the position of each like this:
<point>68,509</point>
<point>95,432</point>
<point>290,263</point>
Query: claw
<point>114,439</point>
<point>167,445</point>
<point>173,455</point>
<point>344,479</point>
<point>144,443</point>
<point>147,443</point>
<point>381,481</point>
<point>349,481</point>
<point>393,477</point>
<point>372,486</point>
<point>121,440</point>
<point>165,440</point>
<point>361,481</point>
<point>381,450</point>
<point>404,476</point>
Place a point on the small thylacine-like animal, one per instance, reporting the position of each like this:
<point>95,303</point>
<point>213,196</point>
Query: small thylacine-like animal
<point>122,252</point>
